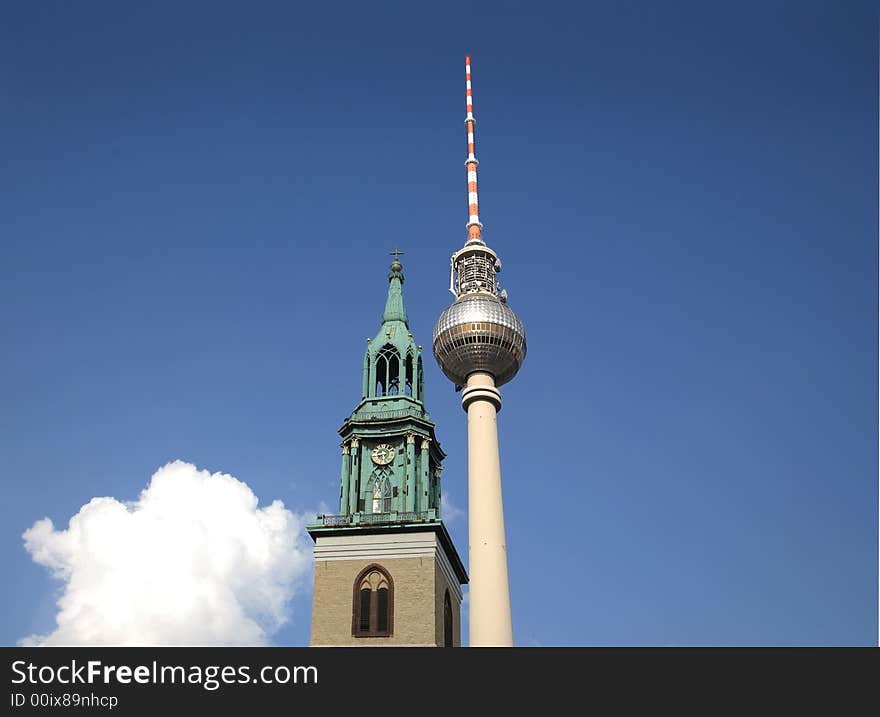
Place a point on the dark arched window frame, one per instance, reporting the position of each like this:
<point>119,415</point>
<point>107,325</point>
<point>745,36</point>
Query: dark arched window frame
<point>408,389</point>
<point>381,375</point>
<point>369,616</point>
<point>448,626</point>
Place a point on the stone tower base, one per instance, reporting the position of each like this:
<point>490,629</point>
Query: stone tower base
<point>423,567</point>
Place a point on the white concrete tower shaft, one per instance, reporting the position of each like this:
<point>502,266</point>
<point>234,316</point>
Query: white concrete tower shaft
<point>489,595</point>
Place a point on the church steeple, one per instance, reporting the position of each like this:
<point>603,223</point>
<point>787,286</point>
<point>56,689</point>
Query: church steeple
<point>393,361</point>
<point>387,545</point>
<point>391,460</point>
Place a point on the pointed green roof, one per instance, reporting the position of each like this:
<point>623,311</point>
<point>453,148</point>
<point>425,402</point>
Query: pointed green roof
<point>401,378</point>
<point>394,308</point>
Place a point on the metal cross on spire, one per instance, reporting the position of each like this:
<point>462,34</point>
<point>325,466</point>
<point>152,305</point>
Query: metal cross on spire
<point>396,254</point>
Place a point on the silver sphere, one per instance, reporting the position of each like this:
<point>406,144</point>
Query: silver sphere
<point>479,333</point>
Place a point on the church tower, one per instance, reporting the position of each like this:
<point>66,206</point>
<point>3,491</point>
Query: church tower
<point>386,571</point>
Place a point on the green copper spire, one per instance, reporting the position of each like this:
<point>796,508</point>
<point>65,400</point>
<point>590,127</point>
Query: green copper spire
<point>394,308</point>
<point>391,459</point>
<point>389,480</point>
<point>393,361</point>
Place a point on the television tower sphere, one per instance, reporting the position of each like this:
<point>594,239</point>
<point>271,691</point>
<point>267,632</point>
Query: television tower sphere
<point>479,332</point>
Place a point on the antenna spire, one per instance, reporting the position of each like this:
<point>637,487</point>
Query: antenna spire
<point>473,225</point>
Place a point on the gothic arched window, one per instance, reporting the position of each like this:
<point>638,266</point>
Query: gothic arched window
<point>382,493</point>
<point>372,612</point>
<point>387,371</point>
<point>381,375</point>
<point>447,621</point>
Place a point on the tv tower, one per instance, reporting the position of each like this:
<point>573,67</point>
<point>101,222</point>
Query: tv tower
<point>480,344</point>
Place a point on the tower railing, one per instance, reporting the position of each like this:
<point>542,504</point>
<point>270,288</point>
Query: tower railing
<point>331,521</point>
<point>367,415</point>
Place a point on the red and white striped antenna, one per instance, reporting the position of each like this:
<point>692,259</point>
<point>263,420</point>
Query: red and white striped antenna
<point>473,225</point>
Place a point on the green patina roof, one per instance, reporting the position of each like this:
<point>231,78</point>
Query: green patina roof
<point>394,308</point>
<point>395,324</point>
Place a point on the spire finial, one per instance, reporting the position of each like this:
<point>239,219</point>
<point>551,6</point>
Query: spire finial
<point>473,225</point>
<point>396,254</point>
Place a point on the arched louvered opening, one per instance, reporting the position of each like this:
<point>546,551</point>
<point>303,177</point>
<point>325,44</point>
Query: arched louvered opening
<point>387,371</point>
<point>420,381</point>
<point>409,374</point>
<point>364,609</point>
<point>373,603</point>
<point>382,609</point>
<point>381,375</point>
<point>447,621</point>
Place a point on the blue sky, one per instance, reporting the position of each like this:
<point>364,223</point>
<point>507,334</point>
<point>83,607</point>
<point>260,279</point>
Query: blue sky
<point>197,202</point>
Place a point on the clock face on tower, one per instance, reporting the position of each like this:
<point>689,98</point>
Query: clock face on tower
<point>382,454</point>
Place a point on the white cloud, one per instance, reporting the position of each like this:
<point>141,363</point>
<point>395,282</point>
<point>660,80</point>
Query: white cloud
<point>448,510</point>
<point>193,561</point>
